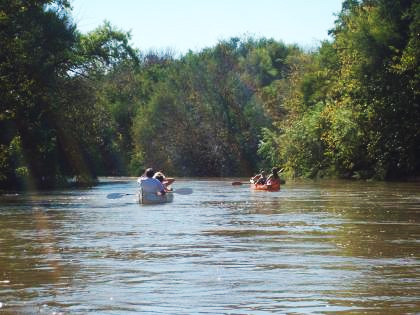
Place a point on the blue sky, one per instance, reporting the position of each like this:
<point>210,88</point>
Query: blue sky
<point>182,25</point>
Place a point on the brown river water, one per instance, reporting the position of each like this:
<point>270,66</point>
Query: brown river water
<point>324,247</point>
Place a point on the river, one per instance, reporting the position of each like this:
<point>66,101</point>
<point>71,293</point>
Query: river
<point>315,247</point>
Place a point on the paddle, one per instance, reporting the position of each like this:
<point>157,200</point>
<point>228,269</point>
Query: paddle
<point>117,195</point>
<point>282,181</point>
<point>181,191</point>
<point>241,183</point>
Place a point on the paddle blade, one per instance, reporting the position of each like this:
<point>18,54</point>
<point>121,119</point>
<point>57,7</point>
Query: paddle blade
<point>237,183</point>
<point>183,191</point>
<point>116,195</point>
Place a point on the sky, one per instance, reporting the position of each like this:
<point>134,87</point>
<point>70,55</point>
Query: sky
<point>183,25</point>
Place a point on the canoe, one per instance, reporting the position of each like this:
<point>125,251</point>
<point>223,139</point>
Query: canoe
<point>265,187</point>
<point>152,198</point>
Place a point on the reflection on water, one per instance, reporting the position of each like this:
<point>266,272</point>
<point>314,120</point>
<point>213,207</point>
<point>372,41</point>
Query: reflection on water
<point>312,248</point>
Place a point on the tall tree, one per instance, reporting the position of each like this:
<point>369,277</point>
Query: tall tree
<point>375,40</point>
<point>353,110</point>
<point>52,127</point>
<point>37,39</point>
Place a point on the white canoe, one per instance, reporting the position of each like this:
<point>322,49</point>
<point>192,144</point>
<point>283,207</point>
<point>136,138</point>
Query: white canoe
<point>152,198</point>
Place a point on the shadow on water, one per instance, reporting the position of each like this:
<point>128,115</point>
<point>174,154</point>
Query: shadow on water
<point>314,247</point>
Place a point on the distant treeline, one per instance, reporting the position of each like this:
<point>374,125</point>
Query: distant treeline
<point>77,106</point>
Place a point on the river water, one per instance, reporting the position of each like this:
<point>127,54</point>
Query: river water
<point>326,247</point>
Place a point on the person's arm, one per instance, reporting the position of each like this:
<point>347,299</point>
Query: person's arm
<point>161,188</point>
<point>255,178</point>
<point>167,182</point>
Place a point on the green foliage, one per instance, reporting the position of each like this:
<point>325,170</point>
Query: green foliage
<point>377,35</point>
<point>204,117</point>
<point>103,48</point>
<point>353,110</point>
<point>12,164</point>
<point>47,110</point>
<point>36,45</point>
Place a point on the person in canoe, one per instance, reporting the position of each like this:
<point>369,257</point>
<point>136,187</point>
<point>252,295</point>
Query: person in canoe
<point>274,178</point>
<point>260,178</point>
<point>149,184</point>
<point>164,180</point>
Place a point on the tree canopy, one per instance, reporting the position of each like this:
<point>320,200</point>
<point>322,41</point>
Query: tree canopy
<point>52,127</point>
<point>356,111</point>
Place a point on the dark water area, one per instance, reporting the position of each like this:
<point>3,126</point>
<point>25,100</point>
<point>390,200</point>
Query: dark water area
<point>326,247</point>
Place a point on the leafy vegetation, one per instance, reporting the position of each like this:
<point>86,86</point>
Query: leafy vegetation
<point>356,110</point>
<point>76,106</point>
<point>53,129</point>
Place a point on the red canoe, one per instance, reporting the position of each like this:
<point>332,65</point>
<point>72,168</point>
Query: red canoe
<point>275,187</point>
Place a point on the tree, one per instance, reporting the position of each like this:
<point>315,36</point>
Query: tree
<point>53,128</point>
<point>205,114</point>
<point>37,39</point>
<point>353,108</point>
<point>375,39</point>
